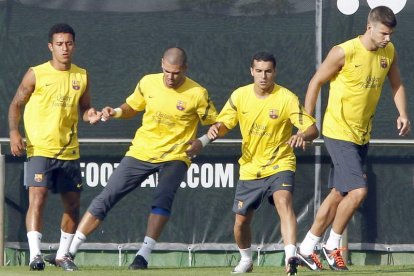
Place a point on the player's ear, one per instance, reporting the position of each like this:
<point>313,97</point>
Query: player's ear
<point>49,45</point>
<point>251,71</point>
<point>184,68</point>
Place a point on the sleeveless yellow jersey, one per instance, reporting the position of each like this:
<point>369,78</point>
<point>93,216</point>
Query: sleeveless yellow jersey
<point>265,125</point>
<point>51,114</point>
<point>355,92</point>
<point>170,120</point>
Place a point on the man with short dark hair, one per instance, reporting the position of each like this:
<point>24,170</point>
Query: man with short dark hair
<point>356,70</point>
<point>266,113</point>
<point>173,106</point>
<point>52,93</point>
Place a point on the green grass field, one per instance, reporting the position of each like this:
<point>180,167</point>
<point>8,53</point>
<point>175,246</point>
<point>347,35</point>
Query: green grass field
<point>206,271</point>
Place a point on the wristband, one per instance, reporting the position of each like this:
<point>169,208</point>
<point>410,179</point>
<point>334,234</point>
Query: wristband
<point>204,140</point>
<point>118,112</point>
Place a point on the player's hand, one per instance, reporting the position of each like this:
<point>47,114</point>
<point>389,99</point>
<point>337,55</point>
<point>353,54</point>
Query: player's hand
<point>94,116</point>
<point>107,112</point>
<point>403,125</point>
<point>213,131</point>
<point>17,145</point>
<point>195,148</point>
<point>297,141</point>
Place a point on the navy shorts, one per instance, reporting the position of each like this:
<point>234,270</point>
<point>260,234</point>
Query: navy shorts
<point>347,171</point>
<point>58,175</point>
<point>129,175</point>
<point>251,193</point>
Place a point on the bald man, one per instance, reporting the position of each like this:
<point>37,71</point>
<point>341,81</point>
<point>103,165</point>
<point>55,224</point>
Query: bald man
<point>173,105</point>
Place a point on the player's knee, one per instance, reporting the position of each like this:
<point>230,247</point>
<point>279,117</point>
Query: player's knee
<point>358,195</point>
<point>72,207</point>
<point>282,202</point>
<point>98,208</point>
<point>241,221</point>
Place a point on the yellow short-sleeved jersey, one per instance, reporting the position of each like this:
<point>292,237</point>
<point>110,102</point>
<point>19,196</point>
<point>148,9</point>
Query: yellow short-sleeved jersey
<point>170,120</point>
<point>265,125</point>
<point>51,114</point>
<point>355,92</point>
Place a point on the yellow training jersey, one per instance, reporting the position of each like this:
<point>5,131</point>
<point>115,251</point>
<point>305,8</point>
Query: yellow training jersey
<point>266,125</point>
<point>355,91</point>
<point>51,114</point>
<point>170,120</point>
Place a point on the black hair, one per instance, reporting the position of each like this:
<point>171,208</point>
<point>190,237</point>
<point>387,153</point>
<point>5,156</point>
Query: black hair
<point>264,56</point>
<point>383,15</point>
<point>61,28</point>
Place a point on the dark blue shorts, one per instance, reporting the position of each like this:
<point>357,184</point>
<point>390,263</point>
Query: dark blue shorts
<point>347,171</point>
<point>251,193</point>
<point>129,175</point>
<point>58,175</point>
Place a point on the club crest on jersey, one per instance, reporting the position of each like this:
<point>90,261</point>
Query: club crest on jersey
<point>273,114</point>
<point>180,105</point>
<point>75,84</point>
<point>383,63</point>
<point>38,177</point>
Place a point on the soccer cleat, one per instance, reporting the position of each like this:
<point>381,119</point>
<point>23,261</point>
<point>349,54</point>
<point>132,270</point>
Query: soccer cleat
<point>292,266</point>
<point>51,259</point>
<point>311,261</point>
<point>334,259</point>
<point>37,263</point>
<point>244,266</point>
<point>66,263</point>
<point>139,263</point>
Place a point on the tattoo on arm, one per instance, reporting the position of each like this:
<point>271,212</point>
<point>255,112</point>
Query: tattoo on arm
<point>21,97</point>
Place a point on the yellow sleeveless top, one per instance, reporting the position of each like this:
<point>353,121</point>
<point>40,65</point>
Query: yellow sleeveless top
<point>51,114</point>
<point>355,92</point>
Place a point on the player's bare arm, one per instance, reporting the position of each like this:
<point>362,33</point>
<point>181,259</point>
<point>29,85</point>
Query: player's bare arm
<point>196,145</point>
<point>217,130</point>
<point>329,68</point>
<point>89,114</point>
<point>299,139</point>
<point>124,111</point>
<point>22,96</point>
<point>400,99</point>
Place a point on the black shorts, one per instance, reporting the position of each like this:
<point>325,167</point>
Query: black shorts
<point>129,175</point>
<point>251,193</point>
<point>348,158</point>
<point>58,175</point>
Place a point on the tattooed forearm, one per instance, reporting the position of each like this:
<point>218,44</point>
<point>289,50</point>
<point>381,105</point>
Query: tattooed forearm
<point>21,97</point>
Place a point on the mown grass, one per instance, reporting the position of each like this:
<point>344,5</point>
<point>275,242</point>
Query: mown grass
<point>206,271</point>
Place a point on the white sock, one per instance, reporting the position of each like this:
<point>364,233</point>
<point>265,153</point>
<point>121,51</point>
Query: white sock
<point>290,251</point>
<point>34,238</point>
<point>65,241</point>
<point>246,254</point>
<point>147,247</point>
<point>77,241</point>
<point>333,241</point>
<point>308,245</point>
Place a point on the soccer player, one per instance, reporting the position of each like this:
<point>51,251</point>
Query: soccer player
<point>356,70</point>
<point>266,113</point>
<point>173,106</point>
<point>52,93</point>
